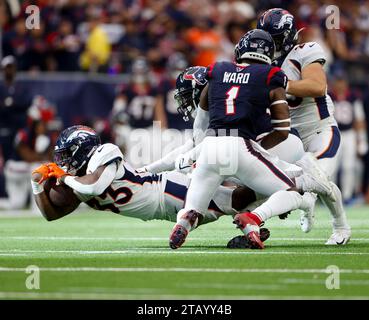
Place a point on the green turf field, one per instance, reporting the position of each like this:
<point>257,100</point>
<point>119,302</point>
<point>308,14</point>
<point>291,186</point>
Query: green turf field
<point>96,255</point>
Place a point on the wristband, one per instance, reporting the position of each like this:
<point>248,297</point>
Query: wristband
<point>36,187</point>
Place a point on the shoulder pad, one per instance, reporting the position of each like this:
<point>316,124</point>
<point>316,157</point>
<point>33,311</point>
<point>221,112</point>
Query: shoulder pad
<point>104,155</point>
<point>309,52</point>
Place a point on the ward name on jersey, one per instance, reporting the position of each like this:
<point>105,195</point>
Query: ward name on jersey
<point>307,114</point>
<point>239,96</point>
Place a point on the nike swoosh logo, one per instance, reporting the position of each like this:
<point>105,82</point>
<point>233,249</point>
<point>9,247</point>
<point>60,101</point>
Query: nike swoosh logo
<point>341,241</point>
<point>181,166</point>
<point>312,45</point>
<point>100,149</point>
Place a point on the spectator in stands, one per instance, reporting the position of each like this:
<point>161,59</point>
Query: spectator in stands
<point>66,47</point>
<point>97,49</point>
<point>205,42</point>
<point>15,43</point>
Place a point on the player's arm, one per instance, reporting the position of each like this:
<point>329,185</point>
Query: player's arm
<point>313,82</point>
<point>167,163</point>
<point>280,119</point>
<point>49,211</point>
<point>201,122</point>
<point>93,184</point>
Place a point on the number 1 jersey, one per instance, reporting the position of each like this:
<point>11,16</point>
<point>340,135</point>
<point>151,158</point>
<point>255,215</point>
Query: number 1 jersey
<point>239,96</point>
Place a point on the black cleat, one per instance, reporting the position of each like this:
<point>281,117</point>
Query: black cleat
<point>241,242</point>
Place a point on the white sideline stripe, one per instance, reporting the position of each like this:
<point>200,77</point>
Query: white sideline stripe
<point>192,270</point>
<point>109,296</point>
<point>146,251</point>
<point>317,281</point>
<point>153,238</point>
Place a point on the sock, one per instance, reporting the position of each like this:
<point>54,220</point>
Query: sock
<point>336,209</point>
<point>255,217</point>
<point>185,222</point>
<point>278,203</point>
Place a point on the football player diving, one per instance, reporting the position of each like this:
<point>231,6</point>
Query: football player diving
<point>98,175</point>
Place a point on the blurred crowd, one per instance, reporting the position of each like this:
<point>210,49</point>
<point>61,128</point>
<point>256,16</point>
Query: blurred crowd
<point>107,36</point>
<point>152,41</point>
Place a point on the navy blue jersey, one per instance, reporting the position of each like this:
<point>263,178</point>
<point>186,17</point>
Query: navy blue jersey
<point>239,96</point>
<point>141,105</point>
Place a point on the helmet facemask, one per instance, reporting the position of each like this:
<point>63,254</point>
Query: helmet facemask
<point>73,156</point>
<point>185,100</point>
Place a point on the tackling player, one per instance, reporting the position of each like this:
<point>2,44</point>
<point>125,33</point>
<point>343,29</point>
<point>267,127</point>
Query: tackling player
<point>236,98</point>
<point>311,108</point>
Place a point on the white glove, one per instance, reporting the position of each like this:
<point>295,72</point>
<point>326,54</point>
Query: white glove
<point>184,163</point>
<point>42,143</point>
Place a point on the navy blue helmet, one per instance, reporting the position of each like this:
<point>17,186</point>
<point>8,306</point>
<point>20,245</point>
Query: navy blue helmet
<point>189,85</point>
<point>74,148</point>
<point>255,45</point>
<point>281,26</point>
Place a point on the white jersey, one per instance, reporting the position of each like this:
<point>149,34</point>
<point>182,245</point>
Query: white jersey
<point>129,194</point>
<point>308,114</point>
<point>146,196</point>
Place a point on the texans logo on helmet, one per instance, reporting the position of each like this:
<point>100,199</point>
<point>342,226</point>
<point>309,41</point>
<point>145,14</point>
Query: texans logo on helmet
<point>198,74</point>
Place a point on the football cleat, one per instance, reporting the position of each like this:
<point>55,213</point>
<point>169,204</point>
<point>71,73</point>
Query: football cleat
<point>307,212</point>
<point>339,237</point>
<point>250,228</point>
<point>315,180</point>
<point>241,242</point>
<point>180,231</point>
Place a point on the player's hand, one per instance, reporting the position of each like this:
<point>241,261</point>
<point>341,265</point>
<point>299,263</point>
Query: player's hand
<point>55,171</point>
<point>40,174</point>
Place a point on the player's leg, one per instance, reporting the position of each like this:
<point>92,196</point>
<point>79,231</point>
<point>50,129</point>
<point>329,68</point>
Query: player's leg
<point>266,178</point>
<point>326,146</point>
<point>205,180</point>
<point>289,150</point>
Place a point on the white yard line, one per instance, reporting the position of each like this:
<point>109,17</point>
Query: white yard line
<point>83,296</point>
<point>360,282</point>
<point>189,270</point>
<point>151,251</point>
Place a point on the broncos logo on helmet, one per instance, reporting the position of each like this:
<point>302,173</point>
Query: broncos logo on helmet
<point>280,24</point>
<point>74,148</point>
<point>286,21</point>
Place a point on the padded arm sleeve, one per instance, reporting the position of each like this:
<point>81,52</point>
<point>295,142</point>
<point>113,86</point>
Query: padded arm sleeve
<point>167,163</point>
<point>97,188</point>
